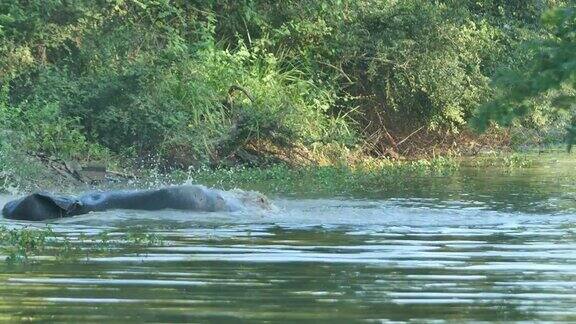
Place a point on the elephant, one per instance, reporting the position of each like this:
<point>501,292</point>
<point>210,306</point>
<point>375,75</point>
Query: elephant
<point>45,206</point>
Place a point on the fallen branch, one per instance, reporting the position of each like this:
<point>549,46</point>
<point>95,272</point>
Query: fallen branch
<point>411,134</point>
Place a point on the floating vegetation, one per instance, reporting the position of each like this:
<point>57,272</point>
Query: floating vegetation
<point>335,180</point>
<point>27,244</point>
<point>506,161</point>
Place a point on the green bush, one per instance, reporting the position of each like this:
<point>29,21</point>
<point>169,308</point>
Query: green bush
<point>151,79</point>
<point>44,129</point>
<point>543,90</point>
<point>395,64</point>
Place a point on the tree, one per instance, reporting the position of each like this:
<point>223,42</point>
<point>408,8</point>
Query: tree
<point>550,71</point>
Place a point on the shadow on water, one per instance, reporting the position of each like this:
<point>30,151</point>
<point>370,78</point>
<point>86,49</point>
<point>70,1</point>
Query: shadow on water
<point>478,246</point>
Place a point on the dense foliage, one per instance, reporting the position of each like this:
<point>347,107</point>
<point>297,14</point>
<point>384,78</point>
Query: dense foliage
<point>546,85</point>
<point>203,82</point>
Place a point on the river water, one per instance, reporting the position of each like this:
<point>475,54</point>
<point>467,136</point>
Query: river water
<point>481,245</point>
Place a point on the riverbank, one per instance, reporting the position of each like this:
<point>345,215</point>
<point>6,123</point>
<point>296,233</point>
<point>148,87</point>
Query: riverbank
<point>336,177</point>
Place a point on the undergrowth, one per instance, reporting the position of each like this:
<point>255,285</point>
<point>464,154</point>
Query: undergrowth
<point>195,84</point>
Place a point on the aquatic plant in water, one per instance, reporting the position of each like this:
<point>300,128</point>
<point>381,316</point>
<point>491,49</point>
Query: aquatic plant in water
<point>333,179</point>
<point>26,244</point>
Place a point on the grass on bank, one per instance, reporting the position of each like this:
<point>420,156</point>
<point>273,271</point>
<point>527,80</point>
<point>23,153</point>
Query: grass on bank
<point>334,178</point>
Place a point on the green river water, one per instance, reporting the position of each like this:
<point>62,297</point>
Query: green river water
<point>481,245</point>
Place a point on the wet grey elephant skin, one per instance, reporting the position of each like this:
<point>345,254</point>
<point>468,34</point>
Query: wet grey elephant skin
<point>45,206</point>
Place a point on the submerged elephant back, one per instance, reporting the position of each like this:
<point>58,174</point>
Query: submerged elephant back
<point>188,197</point>
<point>200,198</point>
<point>126,199</point>
<point>43,206</point>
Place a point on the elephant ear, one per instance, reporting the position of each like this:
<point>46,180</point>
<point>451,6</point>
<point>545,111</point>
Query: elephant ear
<point>67,204</point>
<point>41,206</point>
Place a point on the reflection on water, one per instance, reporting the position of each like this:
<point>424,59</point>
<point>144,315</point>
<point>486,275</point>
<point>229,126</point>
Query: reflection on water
<point>503,249</point>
